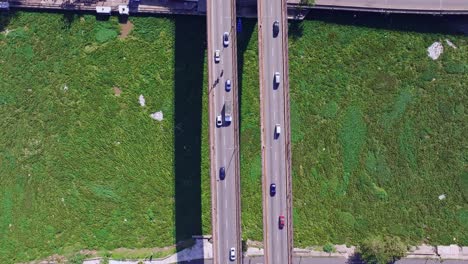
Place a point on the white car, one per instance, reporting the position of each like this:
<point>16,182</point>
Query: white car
<point>232,254</point>
<point>219,121</point>
<point>226,39</point>
<point>217,56</point>
<point>277,130</point>
<point>277,78</point>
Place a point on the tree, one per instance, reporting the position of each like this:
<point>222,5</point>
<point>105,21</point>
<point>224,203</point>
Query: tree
<point>382,250</point>
<point>329,247</point>
<point>307,2</point>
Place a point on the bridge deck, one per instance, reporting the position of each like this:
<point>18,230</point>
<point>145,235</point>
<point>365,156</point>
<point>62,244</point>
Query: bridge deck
<point>247,8</point>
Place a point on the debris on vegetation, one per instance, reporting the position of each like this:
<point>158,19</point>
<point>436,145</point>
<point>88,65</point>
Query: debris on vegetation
<point>117,91</point>
<point>142,100</point>
<point>442,197</point>
<point>435,50</point>
<point>450,43</point>
<point>157,116</point>
<point>65,88</point>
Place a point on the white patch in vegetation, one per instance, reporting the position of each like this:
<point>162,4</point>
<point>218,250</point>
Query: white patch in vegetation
<point>435,50</point>
<point>65,88</point>
<point>142,100</point>
<point>450,43</point>
<point>442,197</point>
<point>157,116</point>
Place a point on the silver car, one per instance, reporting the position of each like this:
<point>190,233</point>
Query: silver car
<point>226,39</point>
<point>217,56</point>
<point>219,121</point>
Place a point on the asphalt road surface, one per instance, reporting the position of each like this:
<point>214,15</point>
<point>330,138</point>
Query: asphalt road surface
<point>399,4</point>
<point>275,112</point>
<point>318,260</point>
<point>223,139</point>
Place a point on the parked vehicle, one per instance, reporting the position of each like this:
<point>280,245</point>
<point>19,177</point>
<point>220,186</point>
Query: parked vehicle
<point>227,111</point>
<point>222,173</point>
<point>272,189</point>
<point>275,28</point>
<point>217,56</point>
<point>228,85</point>
<point>226,39</point>
<point>281,222</point>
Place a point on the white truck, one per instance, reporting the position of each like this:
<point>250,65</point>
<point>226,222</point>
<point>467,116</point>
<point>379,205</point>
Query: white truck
<point>227,111</point>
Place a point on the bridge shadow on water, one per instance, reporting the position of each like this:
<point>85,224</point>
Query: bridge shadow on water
<point>447,24</point>
<point>189,51</point>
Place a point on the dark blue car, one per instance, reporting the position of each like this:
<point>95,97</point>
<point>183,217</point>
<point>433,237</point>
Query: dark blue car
<point>272,189</point>
<point>222,173</point>
<point>228,85</point>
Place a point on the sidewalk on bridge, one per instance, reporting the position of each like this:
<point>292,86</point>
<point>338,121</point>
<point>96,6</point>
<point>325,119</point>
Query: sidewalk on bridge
<point>342,251</point>
<point>203,249</point>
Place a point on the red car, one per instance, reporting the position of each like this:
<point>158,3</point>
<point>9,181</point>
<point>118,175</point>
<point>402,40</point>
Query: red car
<point>281,222</point>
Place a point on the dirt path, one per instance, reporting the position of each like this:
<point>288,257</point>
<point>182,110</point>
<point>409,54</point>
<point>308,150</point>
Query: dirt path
<point>125,29</point>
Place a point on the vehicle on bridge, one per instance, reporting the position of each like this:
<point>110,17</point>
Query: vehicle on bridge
<point>222,173</point>
<point>277,130</point>
<point>272,189</point>
<point>275,28</point>
<point>232,254</point>
<point>228,111</point>
<point>277,79</point>
<point>226,39</point>
<point>281,222</point>
<point>219,121</point>
<point>217,56</point>
<point>228,85</point>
